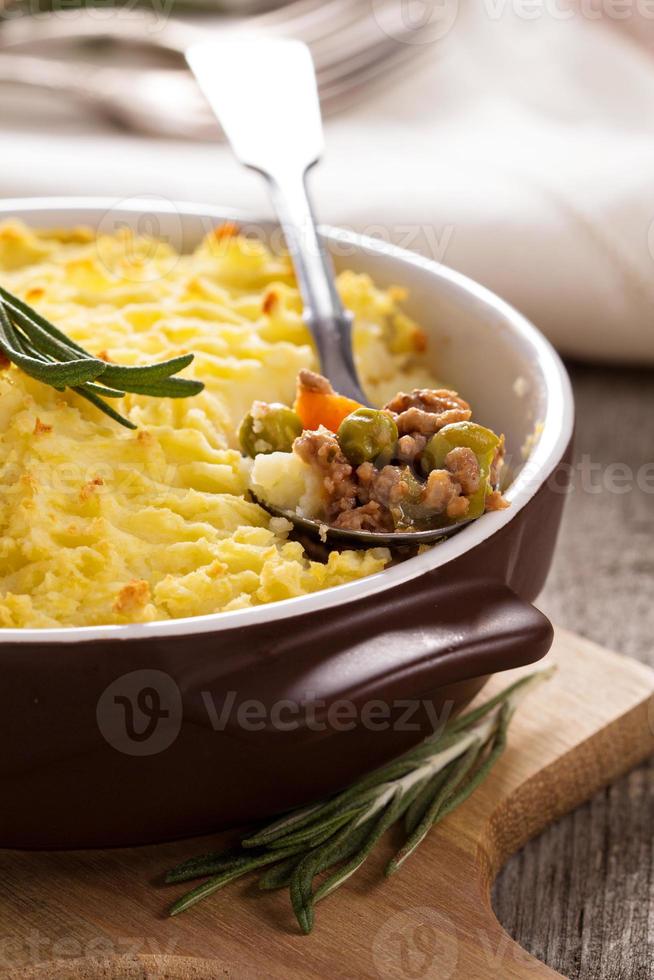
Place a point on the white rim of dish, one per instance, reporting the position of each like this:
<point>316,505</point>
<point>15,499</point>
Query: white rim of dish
<point>557,428</point>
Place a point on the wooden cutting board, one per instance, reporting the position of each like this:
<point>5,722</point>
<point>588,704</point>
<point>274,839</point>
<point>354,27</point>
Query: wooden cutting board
<point>91,914</point>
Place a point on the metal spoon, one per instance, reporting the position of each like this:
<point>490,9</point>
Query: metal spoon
<point>265,96</point>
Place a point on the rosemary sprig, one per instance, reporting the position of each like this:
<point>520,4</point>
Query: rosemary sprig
<point>41,350</point>
<point>336,836</point>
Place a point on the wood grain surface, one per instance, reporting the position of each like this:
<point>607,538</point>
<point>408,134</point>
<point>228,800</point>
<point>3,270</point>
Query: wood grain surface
<point>581,896</point>
<point>90,914</point>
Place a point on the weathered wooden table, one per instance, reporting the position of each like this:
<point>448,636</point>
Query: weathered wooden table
<point>581,896</point>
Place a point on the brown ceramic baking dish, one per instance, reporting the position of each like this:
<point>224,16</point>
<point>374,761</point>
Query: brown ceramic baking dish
<point>126,734</point>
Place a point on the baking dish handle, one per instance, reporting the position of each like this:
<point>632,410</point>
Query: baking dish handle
<point>407,643</point>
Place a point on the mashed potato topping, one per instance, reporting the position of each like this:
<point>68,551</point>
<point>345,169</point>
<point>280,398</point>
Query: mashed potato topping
<point>102,525</point>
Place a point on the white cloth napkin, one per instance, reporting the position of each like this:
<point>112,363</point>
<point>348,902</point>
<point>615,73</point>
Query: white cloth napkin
<point>519,149</point>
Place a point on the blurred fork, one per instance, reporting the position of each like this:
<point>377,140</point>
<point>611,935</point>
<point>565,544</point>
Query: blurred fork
<point>161,102</point>
<point>352,54</point>
<point>166,102</point>
<point>335,30</point>
<point>308,20</point>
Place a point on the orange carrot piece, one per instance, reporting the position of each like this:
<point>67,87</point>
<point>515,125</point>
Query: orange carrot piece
<point>317,408</point>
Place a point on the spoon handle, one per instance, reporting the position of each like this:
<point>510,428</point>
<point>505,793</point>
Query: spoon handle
<point>265,96</point>
<point>329,323</point>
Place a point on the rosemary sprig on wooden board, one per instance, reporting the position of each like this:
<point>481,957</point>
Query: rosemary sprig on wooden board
<point>334,838</point>
<point>39,349</point>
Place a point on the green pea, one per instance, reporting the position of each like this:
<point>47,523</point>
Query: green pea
<point>482,441</point>
<point>367,435</point>
<point>269,428</point>
<point>409,513</point>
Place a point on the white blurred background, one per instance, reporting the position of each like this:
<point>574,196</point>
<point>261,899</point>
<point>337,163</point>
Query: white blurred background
<point>511,139</point>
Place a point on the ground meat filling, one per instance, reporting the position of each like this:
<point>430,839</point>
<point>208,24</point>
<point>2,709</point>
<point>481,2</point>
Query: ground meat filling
<point>311,381</point>
<point>379,493</point>
<point>376,498</point>
<point>388,486</point>
<point>410,447</point>
<point>443,495</point>
<point>321,450</point>
<point>464,467</point>
<point>496,501</point>
<point>424,411</point>
<point>369,517</point>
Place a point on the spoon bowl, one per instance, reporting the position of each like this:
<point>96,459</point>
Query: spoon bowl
<point>364,539</point>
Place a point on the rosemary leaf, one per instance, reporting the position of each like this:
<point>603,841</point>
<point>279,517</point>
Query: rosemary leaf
<point>386,820</point>
<point>203,891</point>
<point>9,335</point>
<point>23,307</point>
<point>210,865</point>
<point>220,880</point>
<point>48,344</point>
<point>359,792</point>
<point>459,771</point>
<point>320,830</point>
<point>163,388</point>
<point>472,717</point>
<point>61,375</point>
<point>343,849</point>
<point>102,391</point>
<point>186,870</point>
<point>416,811</point>
<point>272,831</point>
<point>336,849</point>
<point>219,864</point>
<point>46,354</point>
<point>90,396</point>
<point>480,774</point>
<point>120,374</point>
<point>337,836</point>
<point>300,890</point>
<point>279,876</point>
<point>34,362</point>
